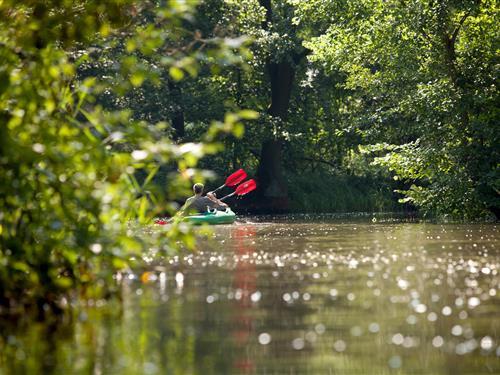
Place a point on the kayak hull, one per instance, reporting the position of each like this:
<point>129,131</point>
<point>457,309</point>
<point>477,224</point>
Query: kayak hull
<point>212,218</point>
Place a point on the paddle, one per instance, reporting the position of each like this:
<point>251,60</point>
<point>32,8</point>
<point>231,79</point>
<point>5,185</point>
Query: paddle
<point>233,179</point>
<point>245,188</point>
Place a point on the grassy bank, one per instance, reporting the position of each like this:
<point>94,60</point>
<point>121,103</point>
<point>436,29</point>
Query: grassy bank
<point>341,193</point>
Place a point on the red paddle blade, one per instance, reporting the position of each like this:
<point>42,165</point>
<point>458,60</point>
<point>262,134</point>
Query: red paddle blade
<point>246,187</point>
<point>236,177</point>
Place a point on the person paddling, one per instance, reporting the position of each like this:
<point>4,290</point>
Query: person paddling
<point>200,203</point>
<point>203,204</point>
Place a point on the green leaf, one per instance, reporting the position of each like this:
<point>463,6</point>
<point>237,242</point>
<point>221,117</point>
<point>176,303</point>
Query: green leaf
<point>137,78</point>
<point>176,73</point>
<point>248,114</point>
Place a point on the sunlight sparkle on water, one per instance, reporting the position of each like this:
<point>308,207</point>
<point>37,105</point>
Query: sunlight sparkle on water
<point>264,338</point>
<point>313,291</point>
<point>339,345</point>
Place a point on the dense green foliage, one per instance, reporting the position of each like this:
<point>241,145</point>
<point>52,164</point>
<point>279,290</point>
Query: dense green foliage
<point>421,80</point>
<point>68,166</point>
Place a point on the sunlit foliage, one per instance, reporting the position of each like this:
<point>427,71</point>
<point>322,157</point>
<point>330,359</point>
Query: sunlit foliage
<point>69,194</point>
<point>421,77</point>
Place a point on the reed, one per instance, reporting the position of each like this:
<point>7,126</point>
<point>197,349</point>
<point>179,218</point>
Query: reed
<point>321,193</point>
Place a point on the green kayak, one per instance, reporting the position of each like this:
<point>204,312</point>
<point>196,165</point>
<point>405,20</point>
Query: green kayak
<point>217,217</point>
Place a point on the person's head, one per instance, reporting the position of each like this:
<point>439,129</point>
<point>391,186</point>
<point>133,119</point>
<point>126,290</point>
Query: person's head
<point>198,188</point>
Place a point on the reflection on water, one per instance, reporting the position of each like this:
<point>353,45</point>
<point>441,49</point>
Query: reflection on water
<point>289,298</point>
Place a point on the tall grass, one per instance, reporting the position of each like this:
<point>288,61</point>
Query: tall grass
<point>321,193</point>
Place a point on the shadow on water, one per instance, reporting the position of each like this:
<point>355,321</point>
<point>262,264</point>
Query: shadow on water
<point>294,296</point>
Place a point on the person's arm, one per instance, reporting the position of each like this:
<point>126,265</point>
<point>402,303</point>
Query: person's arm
<point>214,199</point>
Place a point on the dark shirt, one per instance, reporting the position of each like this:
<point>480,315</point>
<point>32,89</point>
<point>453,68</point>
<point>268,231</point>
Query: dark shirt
<point>201,204</point>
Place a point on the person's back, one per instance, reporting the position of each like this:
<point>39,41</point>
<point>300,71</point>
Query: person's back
<point>201,204</point>
<point>198,203</point>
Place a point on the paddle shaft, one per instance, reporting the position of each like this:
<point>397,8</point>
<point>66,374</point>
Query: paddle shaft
<point>220,187</point>
<point>227,196</point>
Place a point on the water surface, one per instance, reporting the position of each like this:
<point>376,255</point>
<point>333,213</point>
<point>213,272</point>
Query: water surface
<point>290,297</point>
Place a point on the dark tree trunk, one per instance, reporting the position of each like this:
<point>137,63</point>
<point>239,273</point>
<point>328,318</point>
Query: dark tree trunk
<point>178,124</point>
<point>272,195</point>
<point>273,192</point>
<point>281,76</point>
<point>177,116</point>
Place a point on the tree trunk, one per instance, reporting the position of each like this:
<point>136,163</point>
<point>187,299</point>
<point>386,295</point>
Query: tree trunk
<point>177,116</point>
<point>273,192</point>
<point>272,195</point>
<point>178,124</point>
<point>281,76</point>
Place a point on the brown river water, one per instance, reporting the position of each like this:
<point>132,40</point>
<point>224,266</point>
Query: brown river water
<point>285,296</point>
